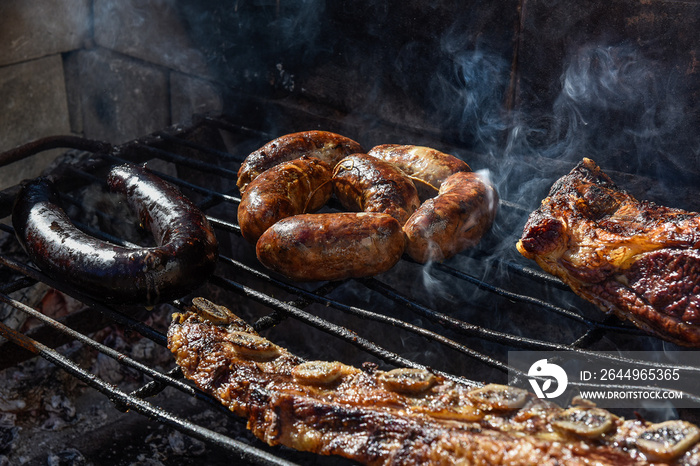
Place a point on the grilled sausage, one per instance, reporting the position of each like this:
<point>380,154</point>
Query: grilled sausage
<point>428,167</point>
<point>331,246</point>
<point>365,183</point>
<point>324,145</point>
<point>184,257</point>
<point>453,221</point>
<point>290,188</point>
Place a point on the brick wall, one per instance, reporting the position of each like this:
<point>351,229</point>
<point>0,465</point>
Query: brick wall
<point>608,77</point>
<point>103,69</point>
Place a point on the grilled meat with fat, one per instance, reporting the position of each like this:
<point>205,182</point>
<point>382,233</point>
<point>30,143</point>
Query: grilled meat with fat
<point>402,416</point>
<point>635,258</point>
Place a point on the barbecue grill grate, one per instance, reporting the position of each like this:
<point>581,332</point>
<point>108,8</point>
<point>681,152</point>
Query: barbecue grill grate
<point>414,322</point>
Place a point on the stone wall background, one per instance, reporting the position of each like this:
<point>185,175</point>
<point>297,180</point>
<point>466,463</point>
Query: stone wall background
<point>614,80</point>
<point>101,69</point>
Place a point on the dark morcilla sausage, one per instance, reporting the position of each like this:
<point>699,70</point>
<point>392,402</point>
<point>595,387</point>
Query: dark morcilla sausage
<point>184,257</point>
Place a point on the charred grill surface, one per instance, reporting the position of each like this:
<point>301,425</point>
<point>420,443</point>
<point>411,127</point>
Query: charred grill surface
<point>207,168</point>
<point>635,258</point>
<point>403,416</point>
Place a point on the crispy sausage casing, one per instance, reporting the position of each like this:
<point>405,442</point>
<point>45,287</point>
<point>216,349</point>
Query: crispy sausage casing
<point>454,220</point>
<point>324,145</point>
<point>296,187</point>
<point>365,183</point>
<point>429,166</point>
<point>332,246</point>
<point>184,257</point>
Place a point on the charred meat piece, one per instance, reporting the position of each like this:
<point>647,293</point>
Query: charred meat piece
<point>402,416</point>
<point>635,258</point>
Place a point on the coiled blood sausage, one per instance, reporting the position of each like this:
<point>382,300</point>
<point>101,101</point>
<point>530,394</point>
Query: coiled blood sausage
<point>183,259</point>
<point>299,186</point>
<point>454,220</point>
<point>332,246</point>
<point>427,166</point>
<point>365,183</point>
<point>324,145</point>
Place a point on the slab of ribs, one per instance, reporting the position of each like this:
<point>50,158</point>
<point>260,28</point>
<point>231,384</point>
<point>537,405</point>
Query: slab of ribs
<point>403,416</point>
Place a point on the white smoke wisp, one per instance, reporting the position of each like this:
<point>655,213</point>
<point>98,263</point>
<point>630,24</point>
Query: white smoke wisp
<point>470,93</point>
<point>615,100</point>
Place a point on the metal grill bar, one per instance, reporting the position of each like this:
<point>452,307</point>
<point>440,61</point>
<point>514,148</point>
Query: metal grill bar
<point>163,146</point>
<point>113,314</point>
<point>530,300</point>
<point>495,335</point>
<point>125,401</point>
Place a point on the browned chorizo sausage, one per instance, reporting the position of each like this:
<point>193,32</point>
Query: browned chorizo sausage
<point>429,166</point>
<point>331,246</point>
<point>454,220</point>
<point>299,186</point>
<point>324,145</point>
<point>365,183</point>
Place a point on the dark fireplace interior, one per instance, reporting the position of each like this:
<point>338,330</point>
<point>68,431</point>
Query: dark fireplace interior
<point>522,90</point>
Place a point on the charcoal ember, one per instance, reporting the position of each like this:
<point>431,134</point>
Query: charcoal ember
<point>61,406</point>
<point>8,432</point>
<point>169,445</point>
<point>61,411</point>
<point>108,369</point>
<point>9,402</point>
<point>67,457</point>
<point>182,445</point>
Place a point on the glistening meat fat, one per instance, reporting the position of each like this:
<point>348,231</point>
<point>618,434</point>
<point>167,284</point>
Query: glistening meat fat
<point>183,259</point>
<point>403,416</point>
<point>635,258</point>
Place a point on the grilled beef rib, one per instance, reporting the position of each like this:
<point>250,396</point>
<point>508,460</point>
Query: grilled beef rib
<point>403,416</point>
<point>635,258</point>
